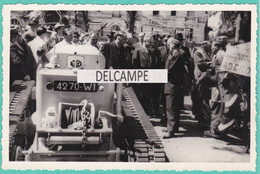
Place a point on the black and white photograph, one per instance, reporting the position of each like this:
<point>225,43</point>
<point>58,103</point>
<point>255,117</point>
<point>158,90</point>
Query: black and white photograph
<point>204,113</point>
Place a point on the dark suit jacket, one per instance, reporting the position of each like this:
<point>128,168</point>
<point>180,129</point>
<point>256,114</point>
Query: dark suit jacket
<point>144,59</point>
<point>115,57</point>
<point>175,66</point>
<point>22,62</point>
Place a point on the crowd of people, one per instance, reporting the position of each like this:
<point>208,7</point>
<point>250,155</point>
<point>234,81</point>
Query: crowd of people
<point>220,99</point>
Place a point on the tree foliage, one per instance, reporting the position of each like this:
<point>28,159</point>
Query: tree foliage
<point>130,22</point>
<point>229,22</point>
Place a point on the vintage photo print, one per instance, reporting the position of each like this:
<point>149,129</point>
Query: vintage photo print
<point>129,87</point>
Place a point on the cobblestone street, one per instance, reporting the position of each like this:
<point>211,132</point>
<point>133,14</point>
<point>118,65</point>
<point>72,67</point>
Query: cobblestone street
<point>189,145</point>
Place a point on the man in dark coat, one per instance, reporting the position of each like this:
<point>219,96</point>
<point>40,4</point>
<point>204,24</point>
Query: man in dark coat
<point>188,73</point>
<point>147,57</point>
<point>173,90</point>
<point>114,51</point>
<point>22,64</point>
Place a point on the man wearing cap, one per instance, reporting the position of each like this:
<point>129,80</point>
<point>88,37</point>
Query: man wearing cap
<point>30,34</point>
<point>39,46</point>
<point>114,51</point>
<point>21,58</point>
<point>173,90</point>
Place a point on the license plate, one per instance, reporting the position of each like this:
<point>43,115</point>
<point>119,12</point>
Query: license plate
<point>74,86</point>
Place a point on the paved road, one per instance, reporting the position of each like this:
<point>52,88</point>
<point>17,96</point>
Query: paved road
<point>189,145</point>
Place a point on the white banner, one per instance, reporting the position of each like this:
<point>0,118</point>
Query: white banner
<point>237,59</point>
<point>123,76</point>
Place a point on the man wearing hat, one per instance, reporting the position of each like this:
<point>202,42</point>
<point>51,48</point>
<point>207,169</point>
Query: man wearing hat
<point>21,59</point>
<point>173,90</point>
<point>30,34</point>
<point>188,73</point>
<point>59,28</point>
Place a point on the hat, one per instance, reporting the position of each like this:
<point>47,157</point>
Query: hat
<point>41,30</point>
<point>67,32</point>
<point>120,33</point>
<point>174,41</point>
<point>141,34</point>
<point>216,43</point>
<point>111,34</point>
<point>48,28</point>
<point>179,37</point>
<point>204,43</point>
<point>33,22</point>
<point>58,25</point>
<point>14,30</point>
<point>75,34</point>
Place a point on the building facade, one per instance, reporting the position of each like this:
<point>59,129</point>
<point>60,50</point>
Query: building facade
<point>190,23</point>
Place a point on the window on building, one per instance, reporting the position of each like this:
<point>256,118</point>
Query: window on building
<point>116,14</point>
<point>173,13</point>
<point>155,13</point>
<point>190,13</point>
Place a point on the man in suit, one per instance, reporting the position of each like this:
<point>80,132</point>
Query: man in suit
<point>22,64</point>
<point>140,42</point>
<point>173,90</point>
<point>114,51</point>
<point>188,74</point>
<point>147,57</point>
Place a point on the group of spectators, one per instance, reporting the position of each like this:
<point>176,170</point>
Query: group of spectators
<point>29,46</point>
<point>219,99</point>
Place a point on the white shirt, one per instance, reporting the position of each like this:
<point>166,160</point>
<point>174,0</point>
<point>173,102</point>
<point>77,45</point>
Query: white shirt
<point>37,44</point>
